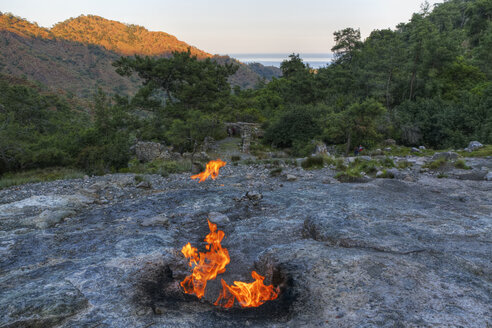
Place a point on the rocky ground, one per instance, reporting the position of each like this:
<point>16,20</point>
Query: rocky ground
<point>414,251</point>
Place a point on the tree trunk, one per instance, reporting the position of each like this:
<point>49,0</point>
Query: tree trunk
<point>349,141</point>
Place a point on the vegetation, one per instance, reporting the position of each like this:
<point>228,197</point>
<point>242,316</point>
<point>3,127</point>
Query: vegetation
<point>461,164</point>
<point>428,82</point>
<point>39,175</point>
<point>437,164</point>
<point>313,162</point>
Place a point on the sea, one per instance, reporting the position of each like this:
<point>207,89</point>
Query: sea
<point>314,60</point>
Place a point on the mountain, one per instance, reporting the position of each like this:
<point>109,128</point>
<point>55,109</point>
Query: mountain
<point>76,55</point>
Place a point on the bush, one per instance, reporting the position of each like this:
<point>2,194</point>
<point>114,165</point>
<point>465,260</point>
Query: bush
<point>386,175</point>
<point>349,175</point>
<point>437,164</point>
<point>387,162</point>
<point>404,164</point>
<point>314,162</point>
<point>235,158</point>
<point>461,164</point>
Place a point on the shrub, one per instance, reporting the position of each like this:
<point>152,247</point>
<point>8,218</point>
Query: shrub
<point>404,164</point>
<point>461,164</point>
<point>438,163</point>
<point>387,162</point>
<point>313,162</point>
<point>235,158</point>
<point>349,175</point>
<point>386,175</point>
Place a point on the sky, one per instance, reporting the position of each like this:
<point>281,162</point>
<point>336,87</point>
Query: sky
<point>229,26</point>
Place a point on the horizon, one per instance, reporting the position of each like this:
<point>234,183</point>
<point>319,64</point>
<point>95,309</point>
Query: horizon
<point>221,27</point>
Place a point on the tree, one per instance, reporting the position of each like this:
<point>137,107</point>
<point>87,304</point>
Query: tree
<point>347,42</point>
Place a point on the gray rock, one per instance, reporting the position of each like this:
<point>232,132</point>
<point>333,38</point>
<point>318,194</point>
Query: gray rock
<point>254,195</point>
<point>415,150</point>
<point>218,218</point>
<point>387,149</point>
<point>158,220</point>
<point>488,177</point>
<point>147,151</point>
<point>49,218</point>
<point>144,185</point>
<point>320,149</point>
<point>422,147</point>
<point>449,155</point>
<point>290,177</point>
<point>476,175</point>
<point>379,174</point>
<point>474,145</point>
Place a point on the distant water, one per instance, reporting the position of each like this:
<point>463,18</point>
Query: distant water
<point>314,60</point>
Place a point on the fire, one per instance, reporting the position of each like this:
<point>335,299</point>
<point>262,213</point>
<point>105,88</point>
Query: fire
<point>211,170</point>
<point>251,294</point>
<point>206,266</point>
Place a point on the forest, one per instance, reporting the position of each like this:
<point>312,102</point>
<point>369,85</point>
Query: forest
<point>427,82</point>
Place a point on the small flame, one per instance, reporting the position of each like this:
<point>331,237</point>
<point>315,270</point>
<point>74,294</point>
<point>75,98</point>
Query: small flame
<point>211,170</point>
<point>251,294</point>
<point>206,266</point>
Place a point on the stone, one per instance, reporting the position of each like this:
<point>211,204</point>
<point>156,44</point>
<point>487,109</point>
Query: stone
<point>147,151</point>
<point>218,218</point>
<point>488,177</point>
<point>320,149</point>
<point>387,149</point>
<point>49,218</point>
<point>415,150</point>
<point>254,195</point>
<point>379,174</point>
<point>144,185</point>
<point>409,178</point>
<point>422,147</point>
<point>449,156</point>
<point>474,145</point>
<point>291,177</point>
<point>158,220</point>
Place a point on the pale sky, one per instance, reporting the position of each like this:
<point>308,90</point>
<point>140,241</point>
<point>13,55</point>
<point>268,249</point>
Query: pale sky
<point>228,26</point>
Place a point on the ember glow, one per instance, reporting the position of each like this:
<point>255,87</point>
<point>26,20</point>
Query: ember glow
<point>212,170</point>
<point>206,266</point>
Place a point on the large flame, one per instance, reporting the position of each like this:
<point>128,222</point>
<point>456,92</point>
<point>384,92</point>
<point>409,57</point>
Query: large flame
<point>206,266</point>
<point>211,170</point>
<point>247,294</point>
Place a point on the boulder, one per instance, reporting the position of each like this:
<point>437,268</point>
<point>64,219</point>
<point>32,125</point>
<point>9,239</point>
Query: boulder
<point>415,150</point>
<point>291,177</point>
<point>449,155</point>
<point>422,147</point>
<point>488,177</point>
<point>254,195</point>
<point>218,218</point>
<point>147,151</point>
<point>320,149</point>
<point>474,145</point>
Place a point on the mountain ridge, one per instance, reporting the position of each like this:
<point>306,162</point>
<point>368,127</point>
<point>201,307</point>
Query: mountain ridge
<point>76,54</point>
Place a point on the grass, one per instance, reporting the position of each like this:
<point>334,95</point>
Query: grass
<point>437,164</point>
<point>39,175</point>
<point>404,164</point>
<point>349,175</point>
<point>387,162</point>
<point>313,162</point>
<point>485,151</point>
<point>461,164</point>
<point>402,151</point>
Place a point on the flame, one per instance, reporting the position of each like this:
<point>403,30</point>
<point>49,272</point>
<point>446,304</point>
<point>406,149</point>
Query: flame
<point>251,294</point>
<point>206,266</point>
<point>211,170</point>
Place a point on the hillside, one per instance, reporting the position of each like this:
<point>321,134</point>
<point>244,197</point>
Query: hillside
<point>76,55</point>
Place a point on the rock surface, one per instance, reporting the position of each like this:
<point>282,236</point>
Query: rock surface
<point>386,253</point>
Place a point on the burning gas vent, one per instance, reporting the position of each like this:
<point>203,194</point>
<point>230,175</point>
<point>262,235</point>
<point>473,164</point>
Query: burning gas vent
<point>206,266</point>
